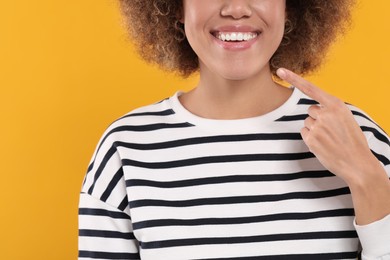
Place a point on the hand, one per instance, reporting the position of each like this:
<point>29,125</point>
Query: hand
<point>332,133</point>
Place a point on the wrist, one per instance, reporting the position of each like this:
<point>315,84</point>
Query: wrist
<point>370,190</point>
<point>367,173</point>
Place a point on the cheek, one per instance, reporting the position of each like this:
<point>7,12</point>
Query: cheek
<point>191,23</point>
<point>195,13</point>
<point>274,14</point>
<point>194,27</point>
<point>191,32</point>
<point>276,25</point>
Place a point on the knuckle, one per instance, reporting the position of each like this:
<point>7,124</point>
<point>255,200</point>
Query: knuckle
<point>316,135</point>
<point>336,103</point>
<point>309,123</point>
<point>325,117</point>
<point>313,109</point>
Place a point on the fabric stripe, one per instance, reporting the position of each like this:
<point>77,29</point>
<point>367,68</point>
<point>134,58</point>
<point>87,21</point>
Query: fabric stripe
<point>115,180</point>
<point>101,167</point>
<point>378,135</point>
<point>219,159</point>
<point>108,255</point>
<point>105,233</point>
<point>293,118</point>
<point>123,205</point>
<point>229,179</point>
<point>103,212</point>
<point>239,199</point>
<point>383,159</point>
<point>305,101</point>
<point>211,139</point>
<point>166,112</point>
<point>301,117</point>
<point>243,220</point>
<point>249,239</point>
<point>342,255</point>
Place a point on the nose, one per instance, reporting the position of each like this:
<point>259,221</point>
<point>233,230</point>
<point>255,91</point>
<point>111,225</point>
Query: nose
<point>236,9</point>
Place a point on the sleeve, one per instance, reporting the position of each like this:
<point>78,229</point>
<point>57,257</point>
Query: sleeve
<point>375,237</point>
<point>105,227</point>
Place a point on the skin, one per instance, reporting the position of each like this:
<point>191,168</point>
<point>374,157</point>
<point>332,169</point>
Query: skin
<point>238,84</point>
<point>229,79</point>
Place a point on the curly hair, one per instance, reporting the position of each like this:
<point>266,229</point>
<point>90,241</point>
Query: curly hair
<point>311,27</point>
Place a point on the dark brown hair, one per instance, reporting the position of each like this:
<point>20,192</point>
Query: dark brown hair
<point>311,27</point>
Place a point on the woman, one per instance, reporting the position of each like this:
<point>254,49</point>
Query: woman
<point>240,167</point>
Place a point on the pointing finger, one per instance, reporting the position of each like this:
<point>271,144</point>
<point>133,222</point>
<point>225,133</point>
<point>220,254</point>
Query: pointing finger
<point>305,86</point>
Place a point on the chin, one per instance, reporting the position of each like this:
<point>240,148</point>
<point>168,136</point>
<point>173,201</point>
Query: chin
<point>240,73</point>
<point>236,76</point>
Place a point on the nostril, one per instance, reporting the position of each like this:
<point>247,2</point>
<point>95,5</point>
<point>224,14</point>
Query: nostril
<point>236,10</point>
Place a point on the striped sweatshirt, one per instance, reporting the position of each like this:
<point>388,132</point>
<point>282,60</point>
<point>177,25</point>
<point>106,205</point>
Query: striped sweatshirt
<point>166,184</point>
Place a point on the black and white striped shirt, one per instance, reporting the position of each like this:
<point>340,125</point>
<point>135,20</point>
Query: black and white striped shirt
<point>166,184</point>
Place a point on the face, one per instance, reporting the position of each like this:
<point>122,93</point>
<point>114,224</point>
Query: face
<point>234,39</point>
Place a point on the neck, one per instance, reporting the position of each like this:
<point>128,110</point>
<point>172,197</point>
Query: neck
<point>216,97</point>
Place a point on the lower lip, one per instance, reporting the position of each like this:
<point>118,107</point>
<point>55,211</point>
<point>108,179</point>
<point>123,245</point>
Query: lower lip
<point>235,46</point>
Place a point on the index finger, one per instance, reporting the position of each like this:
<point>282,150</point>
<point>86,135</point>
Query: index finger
<point>305,86</point>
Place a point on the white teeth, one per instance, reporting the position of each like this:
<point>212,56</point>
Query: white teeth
<point>236,36</point>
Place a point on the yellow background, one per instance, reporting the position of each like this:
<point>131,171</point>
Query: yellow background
<point>67,71</point>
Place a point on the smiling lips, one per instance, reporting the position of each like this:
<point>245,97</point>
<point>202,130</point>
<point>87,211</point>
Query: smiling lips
<point>235,37</point>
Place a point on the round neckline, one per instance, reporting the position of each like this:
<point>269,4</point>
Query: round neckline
<point>233,125</point>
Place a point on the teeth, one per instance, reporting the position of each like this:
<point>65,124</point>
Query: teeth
<point>236,36</point>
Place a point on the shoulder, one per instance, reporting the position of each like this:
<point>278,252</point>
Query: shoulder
<point>136,121</point>
<point>139,119</point>
<point>378,139</point>
<point>367,123</point>
<point>144,114</point>
<point>144,123</point>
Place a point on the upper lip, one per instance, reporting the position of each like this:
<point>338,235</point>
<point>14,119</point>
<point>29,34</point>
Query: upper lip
<point>236,28</point>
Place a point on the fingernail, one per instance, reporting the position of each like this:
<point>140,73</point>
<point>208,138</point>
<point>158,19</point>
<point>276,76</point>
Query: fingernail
<point>281,73</point>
